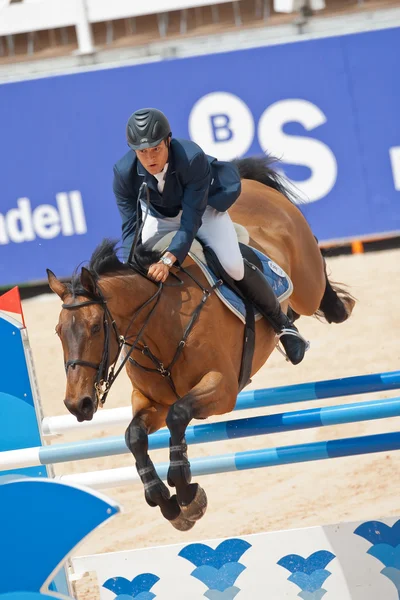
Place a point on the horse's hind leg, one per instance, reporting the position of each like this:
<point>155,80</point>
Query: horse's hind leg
<point>149,418</point>
<point>212,395</point>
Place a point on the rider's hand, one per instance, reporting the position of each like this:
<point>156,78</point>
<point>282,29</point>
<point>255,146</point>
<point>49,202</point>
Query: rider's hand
<point>158,272</point>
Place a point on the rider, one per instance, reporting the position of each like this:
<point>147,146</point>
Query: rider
<point>189,194</point>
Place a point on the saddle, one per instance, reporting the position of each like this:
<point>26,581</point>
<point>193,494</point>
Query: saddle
<point>213,271</point>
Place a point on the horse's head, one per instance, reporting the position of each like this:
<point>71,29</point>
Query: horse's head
<point>88,338</point>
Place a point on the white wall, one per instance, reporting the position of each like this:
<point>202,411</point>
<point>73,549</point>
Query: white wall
<point>50,14</point>
<point>263,566</point>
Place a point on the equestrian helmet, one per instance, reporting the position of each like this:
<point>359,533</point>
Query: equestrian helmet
<point>147,128</point>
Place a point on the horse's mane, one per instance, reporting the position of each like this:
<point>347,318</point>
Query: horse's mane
<point>105,262</point>
<point>259,168</point>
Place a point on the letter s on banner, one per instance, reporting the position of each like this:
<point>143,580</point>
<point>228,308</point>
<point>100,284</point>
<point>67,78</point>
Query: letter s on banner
<point>222,124</point>
<point>298,150</point>
<point>395,162</point>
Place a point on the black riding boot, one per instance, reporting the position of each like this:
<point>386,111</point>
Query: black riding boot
<point>255,288</point>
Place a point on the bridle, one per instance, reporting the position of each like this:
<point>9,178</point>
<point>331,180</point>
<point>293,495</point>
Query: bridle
<point>106,375</point>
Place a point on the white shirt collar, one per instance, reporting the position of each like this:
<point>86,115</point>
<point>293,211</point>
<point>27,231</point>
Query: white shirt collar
<point>161,178</point>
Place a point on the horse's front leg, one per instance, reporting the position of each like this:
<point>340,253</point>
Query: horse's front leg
<point>148,418</point>
<point>214,394</point>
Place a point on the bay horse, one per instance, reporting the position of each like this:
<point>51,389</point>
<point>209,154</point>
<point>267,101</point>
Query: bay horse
<point>109,304</point>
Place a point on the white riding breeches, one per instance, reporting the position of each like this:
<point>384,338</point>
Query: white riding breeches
<point>216,231</point>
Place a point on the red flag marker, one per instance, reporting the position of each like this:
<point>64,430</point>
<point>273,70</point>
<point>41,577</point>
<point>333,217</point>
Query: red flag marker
<point>11,302</point>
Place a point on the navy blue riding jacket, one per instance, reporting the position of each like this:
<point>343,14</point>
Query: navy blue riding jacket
<point>193,180</point>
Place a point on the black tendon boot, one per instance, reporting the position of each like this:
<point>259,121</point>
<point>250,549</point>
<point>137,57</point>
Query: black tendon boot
<point>256,288</point>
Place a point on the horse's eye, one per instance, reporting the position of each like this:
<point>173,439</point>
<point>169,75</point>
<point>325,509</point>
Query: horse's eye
<point>96,328</point>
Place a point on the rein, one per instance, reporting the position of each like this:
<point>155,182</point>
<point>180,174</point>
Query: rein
<point>106,374</point>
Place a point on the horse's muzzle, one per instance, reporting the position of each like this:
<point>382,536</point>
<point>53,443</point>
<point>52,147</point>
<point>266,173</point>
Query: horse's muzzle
<point>83,409</point>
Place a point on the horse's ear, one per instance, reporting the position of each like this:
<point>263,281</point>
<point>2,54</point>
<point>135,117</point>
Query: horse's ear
<point>88,282</point>
<point>56,285</point>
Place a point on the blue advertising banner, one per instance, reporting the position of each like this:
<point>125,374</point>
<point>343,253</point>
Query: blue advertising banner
<point>328,108</point>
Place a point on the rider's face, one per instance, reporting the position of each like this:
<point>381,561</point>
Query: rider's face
<point>154,159</point>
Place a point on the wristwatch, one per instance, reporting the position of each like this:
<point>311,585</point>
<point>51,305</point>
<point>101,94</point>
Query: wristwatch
<point>166,261</point>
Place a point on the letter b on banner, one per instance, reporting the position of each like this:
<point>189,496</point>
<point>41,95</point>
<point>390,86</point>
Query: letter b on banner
<point>220,128</point>
<point>222,124</point>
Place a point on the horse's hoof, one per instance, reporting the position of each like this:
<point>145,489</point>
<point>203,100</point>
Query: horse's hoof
<point>196,509</point>
<point>181,523</point>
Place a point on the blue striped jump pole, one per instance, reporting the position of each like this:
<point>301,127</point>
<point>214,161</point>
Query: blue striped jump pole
<point>246,400</point>
<point>347,386</point>
<point>209,432</point>
<point>253,459</point>
<point>270,457</point>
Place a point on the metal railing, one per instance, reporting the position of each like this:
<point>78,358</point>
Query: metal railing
<point>30,17</point>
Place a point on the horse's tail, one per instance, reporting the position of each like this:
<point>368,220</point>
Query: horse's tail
<point>259,169</point>
<point>337,303</point>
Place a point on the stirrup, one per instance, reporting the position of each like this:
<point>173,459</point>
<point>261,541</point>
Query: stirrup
<point>293,332</point>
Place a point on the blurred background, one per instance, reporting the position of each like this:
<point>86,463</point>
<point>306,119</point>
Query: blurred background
<point>314,82</point>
